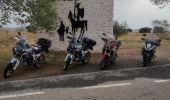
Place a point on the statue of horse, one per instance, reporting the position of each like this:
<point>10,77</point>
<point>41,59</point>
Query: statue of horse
<point>76,24</point>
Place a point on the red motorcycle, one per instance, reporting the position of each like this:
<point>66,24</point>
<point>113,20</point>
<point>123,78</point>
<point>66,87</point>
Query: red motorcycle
<point>109,54</point>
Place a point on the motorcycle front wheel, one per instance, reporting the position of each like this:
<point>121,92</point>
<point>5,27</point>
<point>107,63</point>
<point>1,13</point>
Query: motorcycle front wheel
<point>103,65</point>
<point>114,58</point>
<point>145,61</point>
<point>66,66</point>
<point>67,63</point>
<point>8,70</point>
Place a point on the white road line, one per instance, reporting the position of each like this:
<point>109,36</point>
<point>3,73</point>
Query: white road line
<point>161,81</point>
<point>20,95</point>
<point>107,86</point>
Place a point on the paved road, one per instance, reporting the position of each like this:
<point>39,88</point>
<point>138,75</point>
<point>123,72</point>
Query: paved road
<point>131,84</point>
<point>141,89</point>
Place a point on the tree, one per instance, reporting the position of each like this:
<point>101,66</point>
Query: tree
<point>161,24</point>
<point>129,30</point>
<point>158,29</point>
<point>145,30</point>
<point>36,13</point>
<point>160,3</point>
<point>119,28</point>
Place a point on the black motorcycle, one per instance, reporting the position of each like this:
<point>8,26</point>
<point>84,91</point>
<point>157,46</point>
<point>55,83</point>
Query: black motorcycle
<point>78,51</point>
<point>32,55</point>
<point>148,51</point>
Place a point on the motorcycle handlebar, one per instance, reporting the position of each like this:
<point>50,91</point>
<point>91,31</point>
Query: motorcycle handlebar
<point>104,39</point>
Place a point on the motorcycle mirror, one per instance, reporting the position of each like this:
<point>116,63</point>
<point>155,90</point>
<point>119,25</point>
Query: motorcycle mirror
<point>103,39</point>
<point>68,37</point>
<point>104,34</point>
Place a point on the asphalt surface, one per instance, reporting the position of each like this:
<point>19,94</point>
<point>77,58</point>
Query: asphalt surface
<point>151,91</point>
<point>150,83</point>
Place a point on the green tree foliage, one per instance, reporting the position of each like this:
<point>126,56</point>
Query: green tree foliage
<point>161,25</point>
<point>36,13</point>
<point>161,28</point>
<point>158,29</point>
<point>120,28</point>
<point>145,30</point>
<point>129,30</point>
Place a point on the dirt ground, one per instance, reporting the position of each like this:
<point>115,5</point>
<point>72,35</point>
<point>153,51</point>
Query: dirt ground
<point>129,56</point>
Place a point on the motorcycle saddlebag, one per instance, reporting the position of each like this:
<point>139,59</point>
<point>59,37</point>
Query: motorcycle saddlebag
<point>45,43</point>
<point>89,42</point>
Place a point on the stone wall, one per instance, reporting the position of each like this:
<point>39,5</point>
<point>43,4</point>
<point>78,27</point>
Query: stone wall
<point>98,13</point>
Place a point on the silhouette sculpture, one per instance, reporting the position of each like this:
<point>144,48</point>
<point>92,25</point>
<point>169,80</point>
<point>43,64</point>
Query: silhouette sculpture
<point>76,23</point>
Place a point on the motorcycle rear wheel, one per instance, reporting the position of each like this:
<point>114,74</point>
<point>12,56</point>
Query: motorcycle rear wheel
<point>8,71</point>
<point>38,63</point>
<point>87,58</point>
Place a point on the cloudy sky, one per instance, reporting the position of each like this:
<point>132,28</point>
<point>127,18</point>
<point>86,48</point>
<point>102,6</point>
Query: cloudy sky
<point>139,13</point>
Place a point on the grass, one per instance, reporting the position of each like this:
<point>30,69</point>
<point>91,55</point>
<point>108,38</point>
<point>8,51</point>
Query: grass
<point>131,40</point>
<point>7,38</point>
<point>165,37</point>
<point>134,39</point>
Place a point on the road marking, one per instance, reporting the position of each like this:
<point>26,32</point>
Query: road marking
<point>161,81</point>
<point>20,95</point>
<point>107,86</point>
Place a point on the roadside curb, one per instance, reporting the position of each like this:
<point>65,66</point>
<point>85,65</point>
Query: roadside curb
<point>64,81</point>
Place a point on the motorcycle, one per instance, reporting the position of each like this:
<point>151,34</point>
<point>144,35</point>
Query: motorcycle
<point>29,55</point>
<point>109,54</point>
<point>148,51</point>
<point>78,51</point>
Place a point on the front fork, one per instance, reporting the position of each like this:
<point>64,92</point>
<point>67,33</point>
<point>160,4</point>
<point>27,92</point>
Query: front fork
<point>69,58</point>
<point>15,62</point>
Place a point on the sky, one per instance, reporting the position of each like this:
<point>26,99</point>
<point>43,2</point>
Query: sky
<point>139,13</point>
<point>12,25</point>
